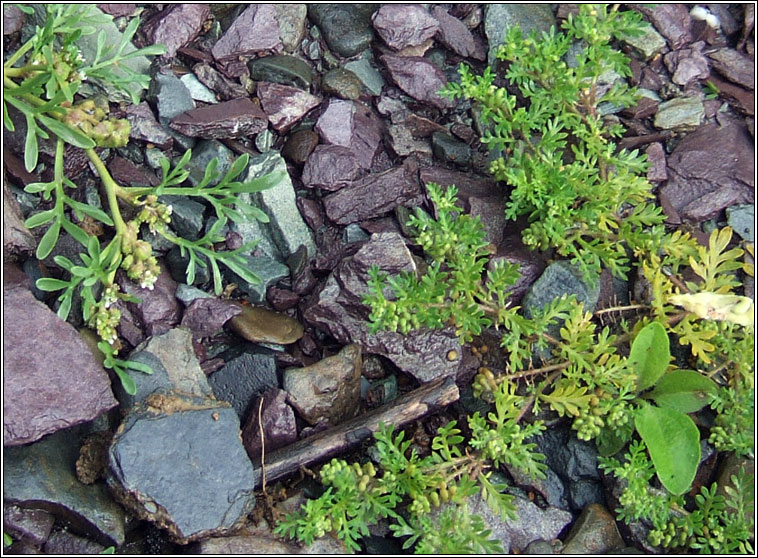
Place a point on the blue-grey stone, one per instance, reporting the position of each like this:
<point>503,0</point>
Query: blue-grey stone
<point>270,272</point>
<point>354,233</point>
<point>172,98</point>
<point>179,462</point>
<point>346,27</point>
<point>198,91</point>
<point>244,378</point>
<point>282,68</point>
<point>43,475</point>
<point>560,278</point>
<point>585,492</point>
<point>202,154</point>
<point>742,219</point>
<point>177,266</point>
<point>186,216</point>
<point>370,77</point>
<point>499,18</point>
<point>450,150</point>
<point>188,293</point>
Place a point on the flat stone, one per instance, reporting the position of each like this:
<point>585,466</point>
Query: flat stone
<point>230,119</point>
<point>42,476</point>
<point>158,309</point>
<point>346,27</point>
<point>187,216</point>
<point>352,125</point>
<point>404,25</point>
<point>206,316</point>
<point>419,78</point>
<point>299,146</point>
<point>330,167</point>
<point>291,20</point>
<point>595,532</point>
<point>65,543</point>
<point>170,95</point>
<point>198,90</point>
<point>450,150</point>
<point>656,156</point>
<point>648,44</point>
<point>671,20</point>
<point>742,219</point>
<point>176,26</point>
<point>403,143</point>
<point>261,325</point>
<point>285,105</point>
<point>329,390</point>
<point>202,154</point>
<point>341,83</point>
<point>244,378</point>
<point>144,126</point>
<point>370,77</point>
<point>17,239</point>
<point>282,68</point>
<point>734,66</point>
<point>712,203</point>
<point>124,172</point>
<point>50,381</point>
<point>118,10</point>
<point>225,88</point>
<point>687,65</point>
<point>337,309</point>
<point>277,424</point>
<point>560,278</point>
<point>499,18</point>
<point>30,525</point>
<point>165,465</point>
<point>715,157</point>
<point>373,196</point>
<point>269,271</point>
<point>454,34</point>
<point>254,30</point>
<point>680,114</point>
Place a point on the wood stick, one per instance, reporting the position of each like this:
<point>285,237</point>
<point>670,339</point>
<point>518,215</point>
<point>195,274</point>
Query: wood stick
<point>341,438</point>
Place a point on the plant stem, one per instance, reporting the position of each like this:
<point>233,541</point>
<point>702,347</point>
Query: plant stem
<point>20,72</point>
<point>111,188</point>
<point>18,54</point>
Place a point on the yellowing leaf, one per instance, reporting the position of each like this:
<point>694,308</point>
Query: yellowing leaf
<point>722,307</point>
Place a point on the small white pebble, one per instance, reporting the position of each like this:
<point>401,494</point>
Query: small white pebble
<point>699,12</point>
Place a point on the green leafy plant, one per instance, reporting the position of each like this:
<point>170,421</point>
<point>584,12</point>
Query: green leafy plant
<point>44,89</point>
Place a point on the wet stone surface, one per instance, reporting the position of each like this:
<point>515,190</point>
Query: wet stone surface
<point>230,119</point>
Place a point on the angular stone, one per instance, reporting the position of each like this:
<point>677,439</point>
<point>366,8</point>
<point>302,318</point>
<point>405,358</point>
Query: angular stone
<point>449,150</point>
<point>370,77</point>
<point>145,127</point>
<point>373,196</point>
<point>656,156</point>
<point>671,20</point>
<point>734,66</point>
<point>269,271</point>
<point>31,525</point>
<point>687,65</point>
<point>285,105</point>
<point>560,278</point>
<point>202,154</point>
<point>713,158</point>
<point>351,125</point>
<point>124,172</point>
<point>341,83</point>
<point>178,461</point>
<point>680,114</point>
<point>176,26</point>
<point>66,543</point>
<point>187,217</point>
<point>277,424</point>
<point>254,30</point>
<point>171,96</point>
<point>245,377</point>
<point>158,308</point>
<point>337,308</point>
<point>403,143</point>
<point>499,18</point>
<point>419,78</point>
<point>118,10</point>
<point>215,81</point>
<point>330,167</point>
<point>741,99</point>
<point>404,25</point>
<point>260,325</point>
<point>299,146</point>
<point>282,68</point>
<point>42,476</point>
<point>230,119</point>
<point>51,379</point>
<point>595,532</point>
<point>291,20</point>
<point>13,20</point>
<point>17,239</point>
<point>648,44</point>
<point>198,90</point>
<point>345,27</point>
<point>454,34</point>
<point>206,316</point>
<point>742,219</point>
<point>329,390</point>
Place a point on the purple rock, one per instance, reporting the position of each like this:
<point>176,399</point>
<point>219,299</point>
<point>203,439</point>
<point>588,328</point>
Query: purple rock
<point>351,125</point>
<point>285,105</point>
<point>687,65</point>
<point>278,420</point>
<point>419,78</point>
<point>127,173</point>
<point>205,316</point>
<point>337,308</point>
<point>454,34</point>
<point>254,30</point>
<point>281,299</point>
<point>17,239</point>
<point>230,119</point>
<point>734,66</point>
<point>158,309</point>
<point>404,25</point>
<point>671,20</point>
<point>145,127</point>
<point>13,19</point>
<point>177,25</point>
<point>716,165</point>
<point>330,167</point>
<point>225,88</point>
<point>51,379</point>
<point>33,526</point>
<point>374,195</point>
<point>118,10</point>
<point>656,156</point>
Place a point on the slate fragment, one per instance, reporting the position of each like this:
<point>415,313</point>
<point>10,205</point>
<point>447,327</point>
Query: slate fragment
<point>345,27</point>
<point>278,424</point>
<point>214,80</point>
<point>330,167</point>
<point>734,66</point>
<point>404,25</point>
<point>244,377</point>
<point>285,105</point>
<point>671,20</point>
<point>176,26</point>
<point>145,127</point>
<point>419,78</point>
<point>254,30</point>
<point>230,119</point>
<point>17,239</point>
<point>454,34</point>
<point>352,125</point>
<point>206,316</point>
<point>158,308</point>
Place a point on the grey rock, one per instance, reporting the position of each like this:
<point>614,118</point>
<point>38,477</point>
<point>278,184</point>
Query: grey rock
<point>198,90</point>
<point>374,195</point>
<point>176,26</point>
<point>330,167</point>
<point>551,488</point>
<point>244,378</point>
<point>254,30</point>
<point>337,308</point>
<point>291,20</point>
<point>206,316</point>
<point>277,424</point>
<point>595,532</point>
<point>171,96</point>
<point>186,216</point>
<point>341,83</point>
<point>542,547</point>
<point>165,466</point>
<point>734,66</point>
<point>454,34</point>
<point>252,230</point>
<point>354,233</point>
<point>584,493</point>
<point>268,270</point>
<point>50,381</point>
<point>17,239</point>
<point>648,44</point>
<point>230,119</point>
<point>499,18</point>
<point>680,114</point>
<point>419,78</point>
<point>450,150</point>
<point>145,127</point>
<point>187,293</point>
<point>202,154</point>
<point>282,68</point>
<point>30,525</point>
<point>288,229</point>
<point>225,88</point>
<point>178,264</point>
<point>687,65</point>
<point>671,20</point>
<point>742,219</point>
<point>352,125</point>
<point>345,27</point>
<point>285,105</point>
<point>370,77</point>
<point>328,390</point>
<point>403,143</point>
<point>42,475</point>
<point>404,25</point>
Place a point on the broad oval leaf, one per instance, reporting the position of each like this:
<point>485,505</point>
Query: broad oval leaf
<point>650,355</point>
<point>673,441</point>
<point>49,284</point>
<point>130,386</point>
<point>40,218</point>
<point>683,390</point>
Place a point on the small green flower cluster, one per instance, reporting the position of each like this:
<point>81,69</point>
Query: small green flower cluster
<point>95,123</point>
